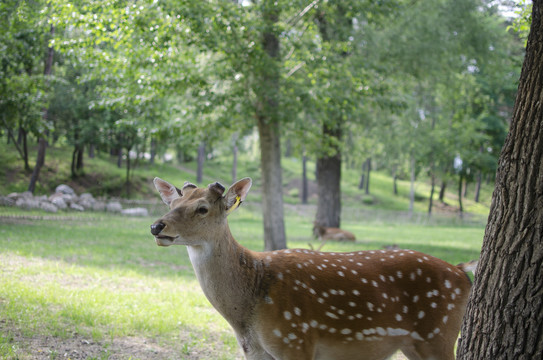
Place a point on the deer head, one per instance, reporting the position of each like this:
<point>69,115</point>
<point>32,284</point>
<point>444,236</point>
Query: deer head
<point>195,212</point>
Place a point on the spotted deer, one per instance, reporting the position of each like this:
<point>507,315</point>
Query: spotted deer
<point>302,304</point>
<point>330,233</point>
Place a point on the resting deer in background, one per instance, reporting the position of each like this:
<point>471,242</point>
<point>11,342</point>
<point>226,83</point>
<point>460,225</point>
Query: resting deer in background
<point>303,304</point>
<point>330,233</point>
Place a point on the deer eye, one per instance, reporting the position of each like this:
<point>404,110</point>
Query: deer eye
<point>202,210</point>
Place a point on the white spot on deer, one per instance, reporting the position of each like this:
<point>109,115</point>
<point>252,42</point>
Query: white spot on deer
<point>356,292</point>
<point>341,292</point>
<point>430,335</point>
<point>421,314</point>
<point>325,294</point>
<point>277,332</point>
<point>320,300</point>
<point>354,272</point>
<point>419,272</point>
<point>399,274</point>
<point>428,280</point>
<point>445,319</point>
<point>333,291</point>
<point>364,280</point>
<point>433,305</point>
<point>415,335</point>
<point>341,312</point>
<point>374,283</point>
<point>359,336</point>
<point>405,309</point>
<point>358,316</point>
<point>385,295</point>
<point>447,284</point>
<point>268,300</point>
<point>453,296</point>
<point>322,327</point>
<point>346,331</point>
<point>287,315</point>
<point>381,331</point>
<point>397,332</point>
<point>331,315</point>
<point>437,331</point>
<point>297,311</point>
<point>412,276</point>
<point>391,278</point>
<point>313,323</point>
<point>457,291</point>
<point>398,317</point>
<point>292,336</point>
<point>450,307</point>
<point>332,330</point>
<point>415,298</point>
<point>383,279</point>
<point>370,306</point>
<point>352,304</point>
<point>419,260</point>
<point>313,292</point>
<point>280,276</point>
<point>313,277</point>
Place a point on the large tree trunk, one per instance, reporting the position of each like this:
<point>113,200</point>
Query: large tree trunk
<point>42,142</point>
<point>272,189</point>
<point>268,129</point>
<point>504,318</point>
<point>328,182</point>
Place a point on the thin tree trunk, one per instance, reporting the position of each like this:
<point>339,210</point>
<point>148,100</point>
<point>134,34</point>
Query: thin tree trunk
<point>42,142</point>
<point>128,172</point>
<point>461,207</point>
<point>412,189</point>
<point>431,200</point>
<point>395,180</point>
<point>442,191</point>
<point>368,171</point>
<point>504,317</point>
<point>201,159</point>
<point>361,183</point>
<point>304,179</point>
<point>478,186</point>
<point>234,159</point>
<point>153,150</point>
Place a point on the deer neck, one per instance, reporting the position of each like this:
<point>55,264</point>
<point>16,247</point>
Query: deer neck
<point>227,273</point>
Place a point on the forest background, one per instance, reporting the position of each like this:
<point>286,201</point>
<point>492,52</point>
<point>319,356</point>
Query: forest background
<point>415,89</point>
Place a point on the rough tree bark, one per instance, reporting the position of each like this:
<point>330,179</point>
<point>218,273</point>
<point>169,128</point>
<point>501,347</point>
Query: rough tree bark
<point>504,318</point>
<point>328,184</point>
<point>267,114</point>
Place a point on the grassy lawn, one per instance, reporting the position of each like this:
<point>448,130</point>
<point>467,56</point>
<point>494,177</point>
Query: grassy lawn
<point>98,287</point>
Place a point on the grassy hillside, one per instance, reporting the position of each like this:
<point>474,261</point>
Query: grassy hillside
<point>102,177</point>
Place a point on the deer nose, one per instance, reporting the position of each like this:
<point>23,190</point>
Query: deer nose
<point>157,228</point>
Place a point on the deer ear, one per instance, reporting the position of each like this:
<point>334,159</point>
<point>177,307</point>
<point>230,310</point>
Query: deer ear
<point>167,191</point>
<point>236,194</point>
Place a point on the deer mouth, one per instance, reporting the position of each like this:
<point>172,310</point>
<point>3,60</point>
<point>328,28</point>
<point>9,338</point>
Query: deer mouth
<point>163,240</point>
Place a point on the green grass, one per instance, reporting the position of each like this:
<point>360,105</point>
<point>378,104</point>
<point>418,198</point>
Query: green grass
<point>104,279</point>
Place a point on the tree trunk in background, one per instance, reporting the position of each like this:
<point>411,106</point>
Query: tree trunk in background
<point>412,189</point>
<point>442,191</point>
<point>42,142</point>
<point>504,318</point>
<point>272,186</point>
<point>431,200</point>
<point>267,110</point>
<point>304,178</point>
<point>328,182</point>
<point>362,176</point>
<point>460,206</point>
<point>235,158</point>
<point>201,159</point>
<point>153,150</point>
<point>478,186</point>
<point>368,171</point>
